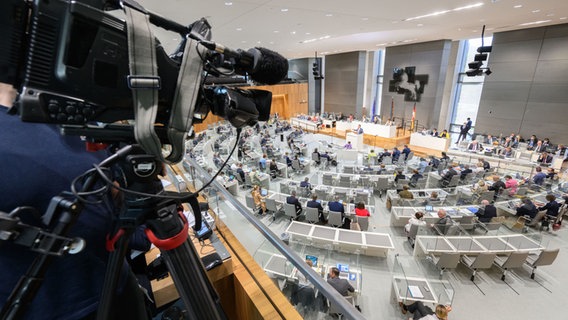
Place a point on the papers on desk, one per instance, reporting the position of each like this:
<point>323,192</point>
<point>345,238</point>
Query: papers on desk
<point>415,292</point>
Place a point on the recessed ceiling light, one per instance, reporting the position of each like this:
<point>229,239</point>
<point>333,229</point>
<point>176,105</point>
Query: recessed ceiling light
<point>307,33</point>
<point>329,15</point>
<point>271,42</point>
<point>275,31</point>
<point>284,10</point>
<point>239,29</point>
<point>534,22</point>
<point>536,11</point>
<point>293,32</point>
<point>258,42</point>
<point>518,6</point>
<point>563,18</point>
<point>550,15</point>
<point>420,25</point>
<point>364,19</point>
<point>228,3</point>
<point>437,13</point>
<point>244,41</point>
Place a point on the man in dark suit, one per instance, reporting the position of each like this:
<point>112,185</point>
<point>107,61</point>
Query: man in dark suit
<point>240,171</point>
<point>465,171</point>
<point>487,212</point>
<point>293,200</point>
<point>498,186</point>
<point>544,158</point>
<point>464,129</point>
<point>314,203</point>
<point>341,285</point>
<point>406,151</point>
<point>446,178</point>
<point>395,154</point>
<point>336,206</point>
<point>474,146</point>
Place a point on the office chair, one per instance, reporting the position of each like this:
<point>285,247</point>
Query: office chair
<point>447,260</point>
<point>514,260</point>
<point>290,211</point>
<point>312,215</point>
<point>363,223</point>
<point>544,258</point>
<point>483,260</point>
<point>335,219</point>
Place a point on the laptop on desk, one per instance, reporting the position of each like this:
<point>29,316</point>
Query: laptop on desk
<point>313,259</point>
<point>263,192</point>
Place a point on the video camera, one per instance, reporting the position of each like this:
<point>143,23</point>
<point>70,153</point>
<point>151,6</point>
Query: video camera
<point>69,61</point>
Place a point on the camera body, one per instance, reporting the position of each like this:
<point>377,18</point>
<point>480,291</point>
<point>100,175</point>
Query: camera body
<point>69,61</point>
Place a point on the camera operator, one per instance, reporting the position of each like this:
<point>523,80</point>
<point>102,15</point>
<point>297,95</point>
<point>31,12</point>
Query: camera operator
<point>39,163</point>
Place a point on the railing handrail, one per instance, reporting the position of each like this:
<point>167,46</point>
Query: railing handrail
<point>347,309</point>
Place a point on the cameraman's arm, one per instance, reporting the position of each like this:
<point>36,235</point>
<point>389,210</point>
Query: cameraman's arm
<point>7,94</point>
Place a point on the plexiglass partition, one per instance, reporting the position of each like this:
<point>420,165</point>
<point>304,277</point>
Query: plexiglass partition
<point>283,260</point>
<point>413,281</point>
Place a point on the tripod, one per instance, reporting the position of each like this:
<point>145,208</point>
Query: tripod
<point>166,228</point>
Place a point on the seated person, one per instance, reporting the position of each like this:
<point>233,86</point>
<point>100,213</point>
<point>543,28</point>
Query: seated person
<point>434,133</point>
<point>293,200</point>
<point>443,222</point>
<point>465,171</point>
<point>262,162</point>
<point>507,152</point>
<point>288,159</point>
<point>433,199</point>
<point>447,177</point>
<point>405,194</point>
<point>399,176</point>
<point>259,200</point>
<point>304,293</point>
<point>222,179</point>
<point>551,174</point>
<point>348,146</point>
<point>240,171</point>
<point>274,171</point>
<point>527,208</point>
<point>544,158</point>
<point>486,164</point>
<point>420,311</point>
<point>444,134</point>
<point>341,285</point>
<point>217,160</point>
<point>316,156</point>
<point>511,184</point>
<point>254,178</point>
<point>549,209</point>
<point>306,184</point>
<point>444,157</point>
<point>422,165</point>
<point>316,204</point>
<point>486,212</point>
<point>498,186</point>
<point>385,153</point>
<point>372,155</point>
<point>395,154</point>
<point>360,210</point>
<point>475,146</point>
<point>415,177</point>
<point>417,219</point>
<point>478,167</point>
<point>479,188</point>
<point>336,205</point>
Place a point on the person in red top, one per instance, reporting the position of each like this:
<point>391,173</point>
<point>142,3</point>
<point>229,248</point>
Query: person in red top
<point>361,211</point>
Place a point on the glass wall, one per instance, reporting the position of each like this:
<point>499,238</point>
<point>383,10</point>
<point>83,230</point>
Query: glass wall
<point>468,89</point>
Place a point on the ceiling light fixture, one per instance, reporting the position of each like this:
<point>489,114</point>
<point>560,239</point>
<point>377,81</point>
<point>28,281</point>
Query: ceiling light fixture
<point>284,10</point>
<point>228,3</point>
<point>518,6</point>
<point>534,22</point>
<point>563,18</point>
<point>437,13</point>
<point>536,11</point>
<point>329,15</point>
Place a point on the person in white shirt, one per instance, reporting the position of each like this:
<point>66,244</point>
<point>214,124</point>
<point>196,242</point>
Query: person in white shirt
<point>417,220</point>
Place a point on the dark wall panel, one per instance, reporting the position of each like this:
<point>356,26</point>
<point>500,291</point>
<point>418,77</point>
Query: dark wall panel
<point>528,90</point>
<point>429,58</point>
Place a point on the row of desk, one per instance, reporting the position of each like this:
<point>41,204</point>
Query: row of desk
<point>368,128</point>
<point>472,245</point>
<point>393,199</point>
<point>367,243</point>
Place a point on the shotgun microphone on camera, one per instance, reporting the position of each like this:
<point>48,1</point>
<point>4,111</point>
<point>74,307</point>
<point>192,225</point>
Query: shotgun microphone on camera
<point>263,65</point>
